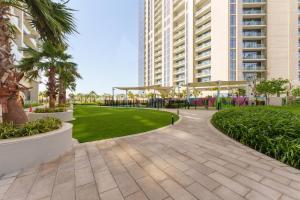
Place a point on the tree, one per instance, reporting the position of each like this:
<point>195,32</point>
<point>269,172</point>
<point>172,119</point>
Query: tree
<point>196,92</point>
<point>53,21</point>
<point>271,87</point>
<point>47,59</point>
<point>296,92</point>
<point>130,95</point>
<point>93,95</point>
<point>67,76</point>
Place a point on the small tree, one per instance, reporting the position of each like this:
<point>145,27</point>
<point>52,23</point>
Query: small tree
<point>279,86</point>
<point>296,92</point>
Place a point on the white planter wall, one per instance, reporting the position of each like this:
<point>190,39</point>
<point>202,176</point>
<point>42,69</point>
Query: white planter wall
<point>63,116</point>
<point>25,152</point>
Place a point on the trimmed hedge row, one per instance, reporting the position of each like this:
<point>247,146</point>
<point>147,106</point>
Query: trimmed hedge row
<point>50,110</point>
<point>271,131</point>
<point>31,128</point>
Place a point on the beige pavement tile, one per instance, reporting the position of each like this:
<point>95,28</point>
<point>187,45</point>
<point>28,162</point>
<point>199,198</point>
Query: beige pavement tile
<point>113,194</point>
<point>126,184</point>
<point>137,196</point>
<point>105,181</point>
<point>253,195</point>
<point>87,192</point>
<point>233,185</point>
<point>227,194</point>
<point>84,176</point>
<point>176,191</point>
<point>282,188</point>
<point>136,171</point>
<point>42,187</point>
<point>264,189</point>
<point>155,172</point>
<point>64,191</point>
<point>245,172</point>
<point>20,187</point>
<point>152,190</point>
<point>201,192</point>
<point>204,180</point>
<point>220,168</point>
<point>179,176</point>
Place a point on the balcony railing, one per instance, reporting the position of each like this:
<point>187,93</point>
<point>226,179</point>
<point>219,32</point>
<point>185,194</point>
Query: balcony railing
<point>254,1</point>
<point>254,57</point>
<point>253,34</point>
<point>254,68</point>
<point>253,23</point>
<point>252,12</point>
<point>254,46</point>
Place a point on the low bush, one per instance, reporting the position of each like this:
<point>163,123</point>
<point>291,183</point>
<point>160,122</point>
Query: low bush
<point>87,104</point>
<point>50,110</point>
<point>27,105</point>
<point>274,132</point>
<point>31,128</point>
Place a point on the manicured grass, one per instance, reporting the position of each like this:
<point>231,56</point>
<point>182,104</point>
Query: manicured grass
<point>97,123</point>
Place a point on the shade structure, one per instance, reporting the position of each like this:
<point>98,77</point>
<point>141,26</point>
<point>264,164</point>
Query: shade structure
<point>154,87</point>
<point>221,84</point>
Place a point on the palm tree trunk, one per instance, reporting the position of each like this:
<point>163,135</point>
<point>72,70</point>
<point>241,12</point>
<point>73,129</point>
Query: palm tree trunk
<point>52,87</point>
<point>62,93</point>
<point>9,90</point>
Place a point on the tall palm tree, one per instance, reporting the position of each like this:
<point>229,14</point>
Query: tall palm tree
<point>53,21</point>
<point>47,59</point>
<point>67,75</point>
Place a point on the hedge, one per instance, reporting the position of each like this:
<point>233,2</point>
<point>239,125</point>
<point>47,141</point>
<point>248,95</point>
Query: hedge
<point>271,131</point>
<point>31,128</point>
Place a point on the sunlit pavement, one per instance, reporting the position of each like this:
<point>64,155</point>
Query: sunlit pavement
<point>190,160</point>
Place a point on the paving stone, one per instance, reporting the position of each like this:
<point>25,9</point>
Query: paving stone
<point>267,191</point>
<point>152,190</point>
<point>159,162</point>
<point>136,171</point>
<point>269,174</point>
<point>20,187</point>
<point>64,191</point>
<point>233,185</point>
<point>113,194</point>
<point>179,176</point>
<point>42,187</point>
<point>176,191</point>
<point>253,195</point>
<point>204,180</point>
<point>137,196</point>
<point>87,192</point>
<point>155,172</point>
<point>105,181</point>
<point>227,194</point>
<point>126,184</point>
<point>244,172</point>
<point>177,163</point>
<point>220,169</point>
<point>201,192</point>
<point>200,167</point>
<point>84,176</point>
<point>282,188</point>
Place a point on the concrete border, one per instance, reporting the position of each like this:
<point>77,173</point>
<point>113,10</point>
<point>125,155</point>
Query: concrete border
<point>24,152</point>
<point>63,116</point>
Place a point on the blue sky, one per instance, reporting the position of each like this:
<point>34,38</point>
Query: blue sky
<point>106,48</point>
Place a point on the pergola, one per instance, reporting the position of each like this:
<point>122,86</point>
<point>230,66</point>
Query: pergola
<point>158,88</point>
<point>203,86</point>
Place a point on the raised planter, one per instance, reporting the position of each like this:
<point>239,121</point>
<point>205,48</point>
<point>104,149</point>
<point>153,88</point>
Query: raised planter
<point>63,116</point>
<point>25,152</point>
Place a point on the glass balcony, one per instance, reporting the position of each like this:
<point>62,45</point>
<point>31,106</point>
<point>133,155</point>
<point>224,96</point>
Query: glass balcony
<point>253,23</point>
<point>254,1</point>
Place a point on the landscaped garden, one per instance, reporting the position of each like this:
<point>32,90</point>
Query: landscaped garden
<point>96,123</point>
<point>274,131</point>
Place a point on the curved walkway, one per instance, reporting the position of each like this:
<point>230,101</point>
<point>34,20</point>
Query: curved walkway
<point>188,161</point>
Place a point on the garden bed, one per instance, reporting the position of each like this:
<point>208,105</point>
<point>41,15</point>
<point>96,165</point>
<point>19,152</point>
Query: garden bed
<point>24,152</point>
<point>65,116</point>
<point>271,131</point>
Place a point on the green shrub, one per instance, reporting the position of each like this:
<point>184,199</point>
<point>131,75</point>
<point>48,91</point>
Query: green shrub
<point>27,105</point>
<point>49,110</point>
<point>87,104</point>
<point>31,128</point>
<point>271,131</point>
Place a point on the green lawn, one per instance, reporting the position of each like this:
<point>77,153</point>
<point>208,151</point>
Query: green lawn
<point>97,123</point>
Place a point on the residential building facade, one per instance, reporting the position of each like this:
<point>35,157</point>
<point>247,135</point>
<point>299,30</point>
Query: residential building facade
<point>25,36</point>
<point>141,44</point>
<point>188,41</point>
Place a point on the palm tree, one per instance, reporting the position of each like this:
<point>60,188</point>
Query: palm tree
<point>48,59</point>
<point>53,21</point>
<point>67,75</point>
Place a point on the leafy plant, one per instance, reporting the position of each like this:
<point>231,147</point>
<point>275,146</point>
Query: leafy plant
<point>50,110</point>
<point>30,128</point>
<point>271,131</point>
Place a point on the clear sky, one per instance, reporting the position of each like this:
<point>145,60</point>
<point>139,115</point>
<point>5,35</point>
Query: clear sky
<point>106,48</point>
